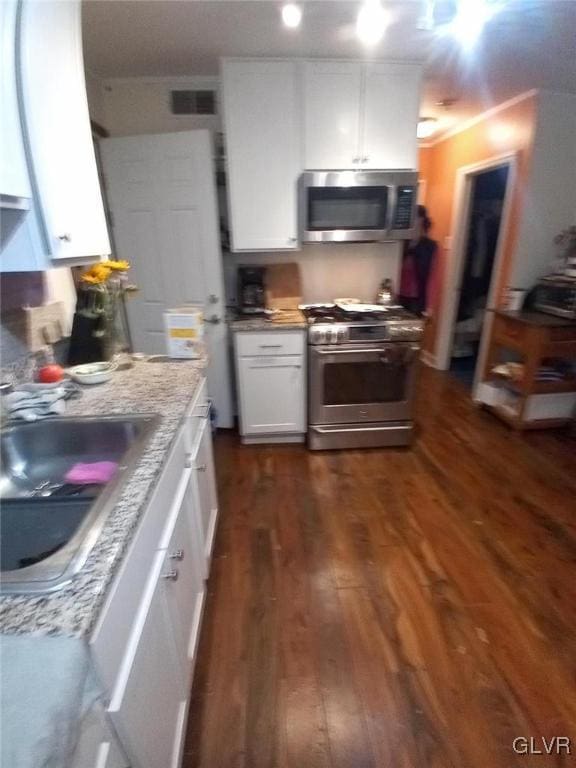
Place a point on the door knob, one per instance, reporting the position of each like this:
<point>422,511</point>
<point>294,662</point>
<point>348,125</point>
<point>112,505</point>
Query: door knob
<point>213,299</point>
<point>213,320</point>
<point>178,554</point>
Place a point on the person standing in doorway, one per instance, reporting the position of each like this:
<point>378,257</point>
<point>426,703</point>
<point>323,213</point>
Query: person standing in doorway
<point>417,264</point>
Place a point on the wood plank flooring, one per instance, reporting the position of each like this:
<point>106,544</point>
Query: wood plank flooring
<point>392,608</point>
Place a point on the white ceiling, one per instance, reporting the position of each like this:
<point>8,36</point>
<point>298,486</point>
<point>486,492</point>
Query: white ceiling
<point>529,44</point>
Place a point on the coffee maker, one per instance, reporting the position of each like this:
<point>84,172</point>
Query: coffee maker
<point>251,290</point>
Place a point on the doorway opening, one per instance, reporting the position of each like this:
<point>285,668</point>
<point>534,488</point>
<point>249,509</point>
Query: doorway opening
<point>483,223</point>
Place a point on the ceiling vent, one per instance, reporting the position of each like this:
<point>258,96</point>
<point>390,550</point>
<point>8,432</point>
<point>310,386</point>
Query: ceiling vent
<point>193,102</point>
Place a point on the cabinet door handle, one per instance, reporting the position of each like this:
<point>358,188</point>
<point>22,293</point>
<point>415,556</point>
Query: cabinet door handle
<point>66,237</point>
<point>201,468</point>
<point>178,554</point>
<point>171,575</point>
<point>355,159</point>
<point>291,240</point>
<point>365,159</point>
<point>213,299</point>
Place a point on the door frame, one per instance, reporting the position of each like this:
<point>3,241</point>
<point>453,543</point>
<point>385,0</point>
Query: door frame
<point>459,225</point>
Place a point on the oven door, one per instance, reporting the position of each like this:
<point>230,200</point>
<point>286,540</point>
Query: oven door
<point>361,383</point>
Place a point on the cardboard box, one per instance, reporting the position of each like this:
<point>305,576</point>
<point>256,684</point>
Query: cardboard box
<point>184,332</point>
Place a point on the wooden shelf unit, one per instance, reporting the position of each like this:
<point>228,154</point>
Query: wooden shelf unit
<point>535,337</point>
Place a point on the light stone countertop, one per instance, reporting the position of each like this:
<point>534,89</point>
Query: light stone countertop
<point>263,324</point>
<point>163,388</point>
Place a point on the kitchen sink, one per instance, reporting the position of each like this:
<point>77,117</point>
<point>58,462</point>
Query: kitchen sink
<point>49,526</point>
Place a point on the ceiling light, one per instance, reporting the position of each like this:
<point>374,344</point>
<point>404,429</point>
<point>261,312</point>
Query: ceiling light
<point>371,22</point>
<point>470,18</point>
<point>426,127</point>
<point>291,15</point>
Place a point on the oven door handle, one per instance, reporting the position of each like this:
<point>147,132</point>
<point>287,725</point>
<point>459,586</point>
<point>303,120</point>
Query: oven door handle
<point>377,351</point>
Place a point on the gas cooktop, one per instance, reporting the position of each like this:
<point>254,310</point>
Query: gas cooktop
<point>329,324</point>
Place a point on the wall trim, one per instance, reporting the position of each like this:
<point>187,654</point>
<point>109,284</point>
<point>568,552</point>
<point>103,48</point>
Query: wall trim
<point>428,358</point>
<point>213,80</point>
<point>472,121</point>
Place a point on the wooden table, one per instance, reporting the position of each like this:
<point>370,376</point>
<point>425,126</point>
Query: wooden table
<point>535,337</point>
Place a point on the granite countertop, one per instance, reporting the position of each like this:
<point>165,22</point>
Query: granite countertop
<point>264,324</point>
<point>163,388</point>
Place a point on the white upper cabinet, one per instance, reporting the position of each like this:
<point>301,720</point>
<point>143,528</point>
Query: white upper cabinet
<point>360,115</point>
<point>332,94</point>
<point>13,171</point>
<point>391,107</point>
<point>58,128</point>
<point>263,150</point>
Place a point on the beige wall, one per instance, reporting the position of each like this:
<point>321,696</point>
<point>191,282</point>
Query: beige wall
<point>329,271</point>
<point>132,106</point>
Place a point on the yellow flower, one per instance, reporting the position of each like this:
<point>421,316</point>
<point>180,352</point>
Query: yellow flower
<point>118,266</point>
<point>97,274</point>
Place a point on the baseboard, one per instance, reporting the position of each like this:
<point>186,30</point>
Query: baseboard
<point>428,359</point>
<point>263,439</point>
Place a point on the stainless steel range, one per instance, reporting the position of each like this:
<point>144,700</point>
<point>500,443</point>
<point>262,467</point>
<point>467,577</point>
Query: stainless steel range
<point>361,376</point>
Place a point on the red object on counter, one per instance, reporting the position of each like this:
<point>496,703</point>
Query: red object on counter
<point>49,374</point>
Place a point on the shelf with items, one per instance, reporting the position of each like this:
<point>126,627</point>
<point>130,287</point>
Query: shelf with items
<point>539,390</point>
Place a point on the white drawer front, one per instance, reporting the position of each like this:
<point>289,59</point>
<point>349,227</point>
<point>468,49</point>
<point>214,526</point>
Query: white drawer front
<point>266,343</point>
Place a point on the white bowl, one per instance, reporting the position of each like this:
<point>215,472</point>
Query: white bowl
<point>92,373</point>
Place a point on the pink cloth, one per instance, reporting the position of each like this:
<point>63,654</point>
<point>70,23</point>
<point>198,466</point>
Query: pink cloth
<point>408,277</point>
<point>97,472</point>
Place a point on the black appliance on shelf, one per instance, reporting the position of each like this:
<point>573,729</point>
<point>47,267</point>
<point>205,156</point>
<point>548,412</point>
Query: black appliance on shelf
<point>251,290</point>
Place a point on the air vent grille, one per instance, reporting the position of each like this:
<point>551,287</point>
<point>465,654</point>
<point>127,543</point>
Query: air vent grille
<point>193,102</point>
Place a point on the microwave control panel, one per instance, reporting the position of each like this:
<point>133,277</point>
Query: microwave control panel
<point>405,198</point>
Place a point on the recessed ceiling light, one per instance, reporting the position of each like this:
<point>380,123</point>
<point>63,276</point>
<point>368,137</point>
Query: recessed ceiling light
<point>291,15</point>
<point>470,18</point>
<point>371,22</point>
<point>426,127</point>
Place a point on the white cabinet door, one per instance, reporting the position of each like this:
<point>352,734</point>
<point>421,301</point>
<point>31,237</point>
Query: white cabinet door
<point>272,395</point>
<point>332,92</point>
<point>391,104</point>
<point>148,707</point>
<point>184,564</point>
<point>204,486</point>
<point>58,127</point>
<point>263,152</point>
<point>13,170</point>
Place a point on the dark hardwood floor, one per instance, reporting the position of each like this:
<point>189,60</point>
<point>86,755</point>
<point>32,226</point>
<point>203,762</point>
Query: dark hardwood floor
<point>392,608</point>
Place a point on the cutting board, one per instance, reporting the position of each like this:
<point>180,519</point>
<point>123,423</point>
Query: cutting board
<point>283,286</point>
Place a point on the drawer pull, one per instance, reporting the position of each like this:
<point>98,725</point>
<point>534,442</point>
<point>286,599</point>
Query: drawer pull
<point>178,554</point>
<point>270,346</point>
<point>203,411</point>
<point>171,575</point>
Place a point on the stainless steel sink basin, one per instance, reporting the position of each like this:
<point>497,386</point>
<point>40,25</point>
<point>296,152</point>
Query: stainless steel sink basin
<point>48,526</point>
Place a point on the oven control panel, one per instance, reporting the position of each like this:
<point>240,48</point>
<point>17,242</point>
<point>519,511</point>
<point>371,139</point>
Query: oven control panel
<point>335,333</point>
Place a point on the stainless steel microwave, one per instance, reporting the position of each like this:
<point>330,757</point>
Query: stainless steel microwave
<point>357,206</point>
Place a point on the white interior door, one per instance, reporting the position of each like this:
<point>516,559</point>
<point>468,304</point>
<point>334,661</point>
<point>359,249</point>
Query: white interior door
<point>162,197</point>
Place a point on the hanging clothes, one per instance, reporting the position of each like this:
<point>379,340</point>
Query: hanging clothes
<point>417,265</point>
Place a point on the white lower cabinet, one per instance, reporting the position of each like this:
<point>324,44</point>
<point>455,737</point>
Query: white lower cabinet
<point>146,709</point>
<point>148,673</point>
<point>271,386</point>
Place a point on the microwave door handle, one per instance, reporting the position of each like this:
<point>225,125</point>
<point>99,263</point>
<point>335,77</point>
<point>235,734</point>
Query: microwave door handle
<point>392,200</point>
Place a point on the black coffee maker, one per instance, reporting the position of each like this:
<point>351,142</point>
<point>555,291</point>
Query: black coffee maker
<point>251,290</point>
